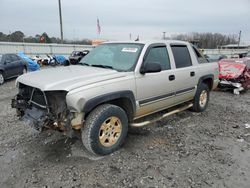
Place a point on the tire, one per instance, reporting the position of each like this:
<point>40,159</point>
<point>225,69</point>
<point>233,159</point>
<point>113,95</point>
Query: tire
<point>201,98</point>
<point>53,63</point>
<point>1,78</point>
<point>99,136</point>
<point>66,63</point>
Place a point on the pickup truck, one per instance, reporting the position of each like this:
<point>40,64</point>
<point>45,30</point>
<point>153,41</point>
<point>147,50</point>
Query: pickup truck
<point>113,87</point>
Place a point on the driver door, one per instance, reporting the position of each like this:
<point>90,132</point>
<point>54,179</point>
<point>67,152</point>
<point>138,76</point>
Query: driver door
<point>155,90</point>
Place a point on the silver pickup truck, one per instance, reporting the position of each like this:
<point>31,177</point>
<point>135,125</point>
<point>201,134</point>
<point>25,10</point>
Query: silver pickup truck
<point>113,87</point>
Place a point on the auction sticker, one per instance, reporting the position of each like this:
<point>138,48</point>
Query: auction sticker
<point>133,50</point>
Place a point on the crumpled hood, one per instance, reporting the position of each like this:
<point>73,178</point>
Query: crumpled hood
<point>67,78</point>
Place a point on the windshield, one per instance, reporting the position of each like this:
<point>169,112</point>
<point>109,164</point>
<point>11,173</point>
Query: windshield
<point>117,56</point>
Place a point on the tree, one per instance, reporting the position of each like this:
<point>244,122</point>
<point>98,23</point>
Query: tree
<point>208,40</point>
<point>3,37</point>
<point>30,39</point>
<point>17,36</point>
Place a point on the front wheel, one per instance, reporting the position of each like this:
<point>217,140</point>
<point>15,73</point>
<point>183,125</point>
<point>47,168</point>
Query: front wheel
<point>201,98</point>
<point>1,78</point>
<point>105,129</point>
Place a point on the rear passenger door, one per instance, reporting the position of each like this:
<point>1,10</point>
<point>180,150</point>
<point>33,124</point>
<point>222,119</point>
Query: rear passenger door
<point>17,63</point>
<point>155,90</point>
<point>184,73</point>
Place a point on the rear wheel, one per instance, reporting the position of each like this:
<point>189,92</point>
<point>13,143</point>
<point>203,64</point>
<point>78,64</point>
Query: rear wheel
<point>201,98</point>
<point>1,78</point>
<point>105,129</point>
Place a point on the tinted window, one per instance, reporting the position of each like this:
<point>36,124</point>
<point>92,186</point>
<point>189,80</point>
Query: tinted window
<point>181,56</point>
<point>158,55</point>
<point>200,58</point>
<point>14,57</point>
<point>8,58</point>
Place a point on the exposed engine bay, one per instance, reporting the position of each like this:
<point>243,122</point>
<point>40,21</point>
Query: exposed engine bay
<point>43,110</point>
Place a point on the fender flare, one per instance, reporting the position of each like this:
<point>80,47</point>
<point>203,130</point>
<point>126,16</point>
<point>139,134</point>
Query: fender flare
<point>92,103</point>
<point>210,76</point>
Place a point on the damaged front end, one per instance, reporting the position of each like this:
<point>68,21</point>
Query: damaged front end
<point>43,110</point>
<point>234,75</point>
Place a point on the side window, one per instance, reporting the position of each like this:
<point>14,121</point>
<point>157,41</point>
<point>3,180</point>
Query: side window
<point>181,56</point>
<point>14,57</point>
<point>8,58</point>
<point>200,58</point>
<point>159,55</point>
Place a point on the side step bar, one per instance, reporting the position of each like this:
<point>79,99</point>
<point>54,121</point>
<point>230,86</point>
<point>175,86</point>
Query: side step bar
<point>142,124</point>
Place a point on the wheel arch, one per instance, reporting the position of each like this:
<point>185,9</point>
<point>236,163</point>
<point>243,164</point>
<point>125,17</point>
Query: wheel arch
<point>2,71</point>
<point>26,67</point>
<point>208,80</point>
<point>124,99</point>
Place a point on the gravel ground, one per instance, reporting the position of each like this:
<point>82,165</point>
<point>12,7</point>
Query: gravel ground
<point>209,149</point>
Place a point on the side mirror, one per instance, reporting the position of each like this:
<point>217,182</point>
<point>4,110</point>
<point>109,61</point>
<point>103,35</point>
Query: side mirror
<point>150,68</point>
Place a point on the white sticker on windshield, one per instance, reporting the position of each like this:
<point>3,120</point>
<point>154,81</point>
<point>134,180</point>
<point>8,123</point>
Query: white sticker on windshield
<point>133,50</point>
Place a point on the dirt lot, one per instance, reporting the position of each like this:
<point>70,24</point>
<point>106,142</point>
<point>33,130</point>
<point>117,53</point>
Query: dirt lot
<point>210,149</point>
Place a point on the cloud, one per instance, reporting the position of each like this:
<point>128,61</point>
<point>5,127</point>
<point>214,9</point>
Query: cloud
<point>118,18</point>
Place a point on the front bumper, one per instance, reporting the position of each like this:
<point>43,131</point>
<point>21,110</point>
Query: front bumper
<point>45,110</point>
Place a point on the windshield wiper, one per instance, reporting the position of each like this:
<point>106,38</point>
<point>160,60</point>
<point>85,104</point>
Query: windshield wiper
<point>103,66</point>
<point>84,64</point>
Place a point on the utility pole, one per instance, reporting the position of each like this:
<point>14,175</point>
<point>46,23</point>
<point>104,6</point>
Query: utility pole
<point>60,15</point>
<point>239,40</point>
<point>164,35</point>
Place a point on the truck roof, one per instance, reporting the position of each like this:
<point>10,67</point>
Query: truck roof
<point>148,42</point>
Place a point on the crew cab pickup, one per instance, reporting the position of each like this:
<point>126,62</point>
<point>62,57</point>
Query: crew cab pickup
<point>113,87</point>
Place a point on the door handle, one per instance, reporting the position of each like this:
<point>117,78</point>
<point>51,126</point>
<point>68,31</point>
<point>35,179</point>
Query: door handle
<point>171,77</point>
<point>192,73</point>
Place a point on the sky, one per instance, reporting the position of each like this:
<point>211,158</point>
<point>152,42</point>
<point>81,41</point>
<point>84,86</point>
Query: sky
<point>118,18</point>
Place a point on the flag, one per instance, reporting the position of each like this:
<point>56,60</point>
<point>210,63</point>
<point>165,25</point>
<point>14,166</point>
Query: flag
<point>42,39</point>
<point>98,27</point>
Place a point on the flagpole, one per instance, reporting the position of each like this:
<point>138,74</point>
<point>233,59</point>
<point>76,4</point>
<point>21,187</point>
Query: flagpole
<point>98,28</point>
<point>60,16</point>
